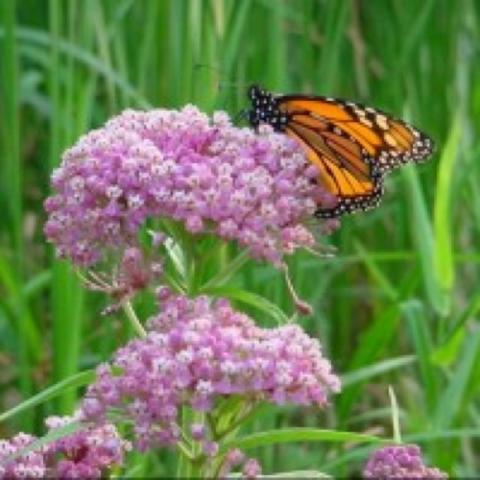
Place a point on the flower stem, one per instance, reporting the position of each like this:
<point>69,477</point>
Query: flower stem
<point>135,322</point>
<point>248,411</point>
<point>184,449</point>
<point>395,416</point>
<point>221,277</point>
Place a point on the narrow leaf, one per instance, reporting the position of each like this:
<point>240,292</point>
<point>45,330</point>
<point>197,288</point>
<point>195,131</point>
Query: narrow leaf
<point>455,391</point>
<point>75,381</point>
<point>421,230</point>
<point>376,369</point>
<point>444,250</point>
<point>251,299</point>
<point>290,435</point>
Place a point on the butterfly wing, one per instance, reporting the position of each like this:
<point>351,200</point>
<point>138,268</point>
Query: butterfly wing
<point>388,141</point>
<point>344,171</point>
<point>352,146</point>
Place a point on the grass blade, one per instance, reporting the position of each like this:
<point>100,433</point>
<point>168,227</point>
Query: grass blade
<point>379,368</point>
<point>454,394</point>
<point>444,249</point>
<point>421,231</point>
<point>75,381</point>
<point>251,299</point>
<point>290,435</point>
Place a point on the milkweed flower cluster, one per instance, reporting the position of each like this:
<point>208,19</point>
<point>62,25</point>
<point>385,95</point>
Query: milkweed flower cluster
<point>197,351</point>
<point>182,165</point>
<point>88,453</point>
<point>29,465</point>
<point>252,469</point>
<point>401,462</point>
<point>235,459</point>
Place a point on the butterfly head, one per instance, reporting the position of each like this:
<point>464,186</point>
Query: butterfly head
<point>265,109</point>
<point>254,92</point>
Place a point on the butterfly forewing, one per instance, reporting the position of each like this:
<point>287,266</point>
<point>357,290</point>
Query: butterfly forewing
<point>389,141</point>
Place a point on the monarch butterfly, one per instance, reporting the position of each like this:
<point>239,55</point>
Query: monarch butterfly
<point>352,146</point>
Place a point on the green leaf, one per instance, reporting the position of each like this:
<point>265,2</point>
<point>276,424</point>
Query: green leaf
<point>75,381</point>
<point>444,249</point>
<point>421,231</point>
<point>233,42</point>
<point>454,394</point>
<point>383,281</point>
<point>461,433</point>
<point>373,342</point>
<point>177,257</point>
<point>397,436</point>
<point>376,369</point>
<point>227,272</point>
<point>249,298</point>
<point>418,326</point>
<point>289,435</point>
<point>446,354</point>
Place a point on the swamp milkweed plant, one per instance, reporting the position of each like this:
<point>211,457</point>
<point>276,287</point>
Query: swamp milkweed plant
<point>130,206</point>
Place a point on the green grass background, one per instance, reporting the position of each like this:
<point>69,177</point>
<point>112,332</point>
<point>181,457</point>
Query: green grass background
<point>398,304</point>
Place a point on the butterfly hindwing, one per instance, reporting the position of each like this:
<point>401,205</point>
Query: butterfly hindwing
<point>343,171</point>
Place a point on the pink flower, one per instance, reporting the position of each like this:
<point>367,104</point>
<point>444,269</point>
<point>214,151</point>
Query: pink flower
<point>182,165</point>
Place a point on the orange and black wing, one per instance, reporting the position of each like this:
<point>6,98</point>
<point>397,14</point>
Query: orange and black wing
<point>345,171</point>
<point>352,146</point>
<point>390,142</point>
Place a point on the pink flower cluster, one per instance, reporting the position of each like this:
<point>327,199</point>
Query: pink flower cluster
<point>30,465</point>
<point>88,453</point>
<point>235,458</point>
<point>133,273</point>
<point>400,462</point>
<point>255,188</point>
<point>196,351</point>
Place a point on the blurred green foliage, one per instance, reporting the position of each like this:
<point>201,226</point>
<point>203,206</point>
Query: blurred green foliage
<point>398,304</point>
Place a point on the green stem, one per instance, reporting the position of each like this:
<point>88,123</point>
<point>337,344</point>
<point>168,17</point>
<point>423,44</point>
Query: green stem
<point>135,322</point>
<point>173,283</point>
<point>186,457</point>
<point>227,272</point>
<point>247,413</point>
<point>395,416</point>
<point>184,449</point>
<point>211,425</point>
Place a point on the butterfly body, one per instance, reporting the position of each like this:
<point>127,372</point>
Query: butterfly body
<point>351,145</point>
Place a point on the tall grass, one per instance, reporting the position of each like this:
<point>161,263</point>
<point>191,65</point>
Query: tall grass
<point>398,304</point>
